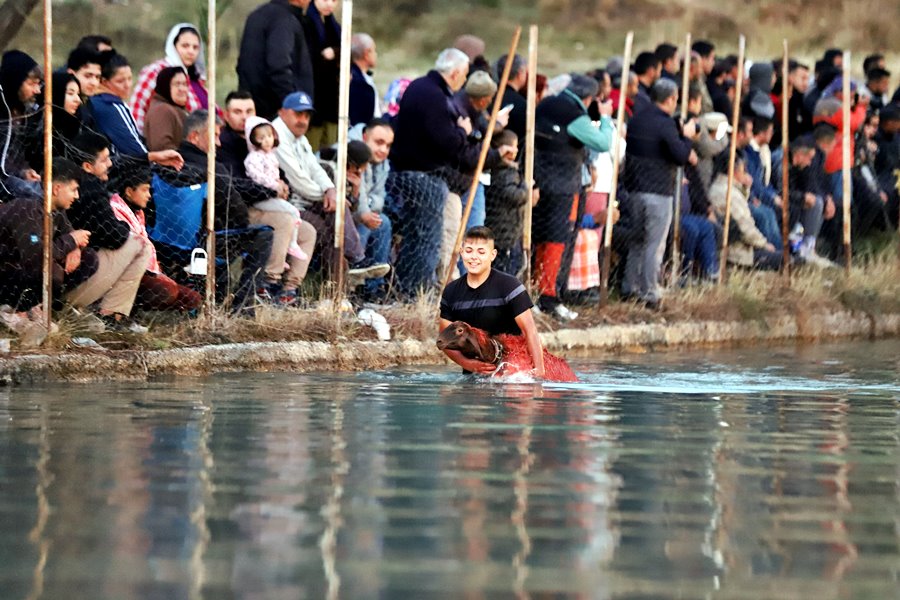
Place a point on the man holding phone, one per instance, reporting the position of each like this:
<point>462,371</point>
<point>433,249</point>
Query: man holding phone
<point>472,102</point>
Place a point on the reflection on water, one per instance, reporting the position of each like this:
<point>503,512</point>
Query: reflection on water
<point>742,474</point>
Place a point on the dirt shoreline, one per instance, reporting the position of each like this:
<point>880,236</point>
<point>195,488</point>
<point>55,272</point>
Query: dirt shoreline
<point>304,356</point>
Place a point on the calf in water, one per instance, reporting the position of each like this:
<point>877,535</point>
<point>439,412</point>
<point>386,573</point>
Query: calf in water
<point>508,352</point>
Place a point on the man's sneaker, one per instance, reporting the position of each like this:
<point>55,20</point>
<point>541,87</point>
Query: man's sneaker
<point>267,293</point>
<point>563,313</point>
<point>123,324</point>
<point>819,261</point>
<point>357,275</point>
<point>287,298</point>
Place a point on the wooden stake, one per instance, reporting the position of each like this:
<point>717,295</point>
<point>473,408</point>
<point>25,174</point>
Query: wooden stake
<point>210,300</point>
<point>485,147</point>
<point>846,160</point>
<point>529,147</point>
<point>735,117</point>
<point>614,189</point>
<point>785,167</point>
<point>47,296</point>
<point>679,173</point>
<point>340,174</point>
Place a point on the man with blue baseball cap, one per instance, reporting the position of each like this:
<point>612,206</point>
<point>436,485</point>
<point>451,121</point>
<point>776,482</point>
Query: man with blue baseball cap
<point>313,191</point>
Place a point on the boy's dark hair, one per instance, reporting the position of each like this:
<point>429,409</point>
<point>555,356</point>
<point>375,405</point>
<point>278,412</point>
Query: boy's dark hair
<point>132,177</point>
<point>743,120</point>
<point>803,142</point>
<point>64,170</point>
<point>694,92</point>
<point>703,48</point>
<point>358,153</point>
<point>890,112</point>
<point>644,62</point>
<point>479,233</point>
<point>110,62</point>
<point>237,95</point>
<point>761,124</point>
<point>824,131</point>
<point>82,56</point>
<point>378,122</point>
<point>871,61</point>
<point>504,137</point>
<point>877,74</point>
<point>665,51</point>
<point>794,65</point>
<point>830,55</point>
<point>91,42</point>
<point>86,146</point>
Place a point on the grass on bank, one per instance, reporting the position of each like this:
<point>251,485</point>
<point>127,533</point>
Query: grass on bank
<point>872,287</point>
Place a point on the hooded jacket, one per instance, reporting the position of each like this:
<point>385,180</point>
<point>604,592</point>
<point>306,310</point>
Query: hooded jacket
<point>261,166</point>
<point>758,102</point>
<point>92,211</point>
<point>146,81</point>
<point>14,69</point>
<point>274,59</point>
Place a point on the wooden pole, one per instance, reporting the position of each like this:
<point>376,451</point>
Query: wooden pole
<point>340,174</point>
<point>735,117</point>
<point>785,166</point>
<point>529,147</point>
<point>485,147</point>
<point>47,296</point>
<point>679,174</point>
<point>846,161</point>
<point>614,189</point>
<point>210,300</point>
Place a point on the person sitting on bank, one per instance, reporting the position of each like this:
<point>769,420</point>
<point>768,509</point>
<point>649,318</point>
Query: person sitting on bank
<point>489,300</point>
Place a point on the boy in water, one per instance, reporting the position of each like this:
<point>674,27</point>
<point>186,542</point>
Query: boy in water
<point>489,300</point>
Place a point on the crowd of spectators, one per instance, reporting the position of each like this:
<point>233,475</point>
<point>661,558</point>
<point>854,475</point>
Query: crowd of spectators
<point>130,170</point>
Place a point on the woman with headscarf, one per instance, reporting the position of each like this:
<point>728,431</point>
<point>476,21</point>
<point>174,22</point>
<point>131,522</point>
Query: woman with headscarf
<point>164,121</point>
<point>67,121</point>
<point>184,48</point>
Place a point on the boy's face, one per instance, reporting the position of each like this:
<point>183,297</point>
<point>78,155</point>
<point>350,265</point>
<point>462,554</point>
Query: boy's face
<point>100,167</point>
<point>65,193</point>
<point>477,255</point>
<point>139,195</point>
<point>514,142</point>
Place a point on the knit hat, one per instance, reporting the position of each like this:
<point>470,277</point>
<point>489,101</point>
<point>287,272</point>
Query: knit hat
<point>471,45</point>
<point>480,85</point>
<point>837,86</point>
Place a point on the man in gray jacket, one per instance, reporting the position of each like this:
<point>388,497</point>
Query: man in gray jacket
<point>373,225</point>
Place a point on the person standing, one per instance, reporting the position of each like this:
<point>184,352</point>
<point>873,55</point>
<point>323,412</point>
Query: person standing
<point>323,35</point>
<point>364,104</point>
<point>655,149</point>
<point>274,38</point>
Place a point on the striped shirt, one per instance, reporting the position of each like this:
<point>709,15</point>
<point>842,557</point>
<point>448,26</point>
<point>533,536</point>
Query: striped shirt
<point>492,306</point>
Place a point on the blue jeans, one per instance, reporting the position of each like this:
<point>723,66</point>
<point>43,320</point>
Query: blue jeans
<point>377,244</point>
<point>415,204</point>
<point>476,217</point>
<point>698,246</point>
<point>767,223</point>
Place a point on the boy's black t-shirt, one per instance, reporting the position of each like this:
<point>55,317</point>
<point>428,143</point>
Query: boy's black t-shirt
<point>493,306</point>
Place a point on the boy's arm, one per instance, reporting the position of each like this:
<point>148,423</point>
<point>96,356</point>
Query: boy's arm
<point>525,321</point>
<point>469,364</point>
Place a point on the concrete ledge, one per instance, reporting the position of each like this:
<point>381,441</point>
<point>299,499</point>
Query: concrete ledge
<point>350,355</point>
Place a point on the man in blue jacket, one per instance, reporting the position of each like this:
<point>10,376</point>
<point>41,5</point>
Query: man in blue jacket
<point>430,135</point>
<point>655,149</point>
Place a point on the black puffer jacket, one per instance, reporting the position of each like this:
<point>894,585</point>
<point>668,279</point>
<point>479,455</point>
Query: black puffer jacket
<point>504,202</point>
<point>274,59</point>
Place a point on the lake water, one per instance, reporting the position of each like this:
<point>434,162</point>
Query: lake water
<point>758,473</point>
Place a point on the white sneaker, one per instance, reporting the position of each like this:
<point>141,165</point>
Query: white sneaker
<point>359,275</point>
<point>564,313</point>
<point>821,262</point>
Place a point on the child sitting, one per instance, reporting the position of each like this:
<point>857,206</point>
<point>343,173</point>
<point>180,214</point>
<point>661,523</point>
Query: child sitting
<point>505,202</point>
<point>157,291</point>
<point>262,167</point>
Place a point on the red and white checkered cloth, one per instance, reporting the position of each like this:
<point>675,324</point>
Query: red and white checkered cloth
<point>585,271</point>
<point>143,92</point>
